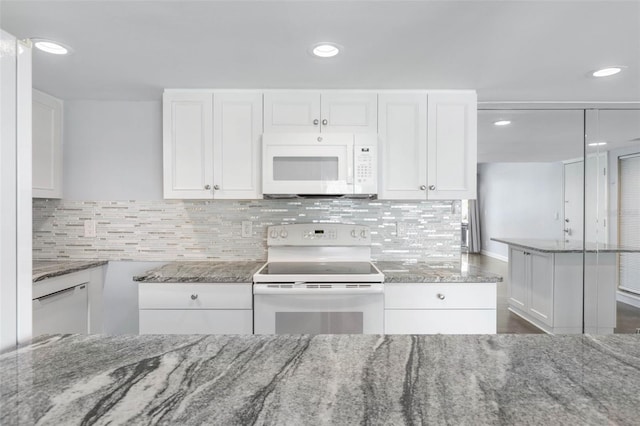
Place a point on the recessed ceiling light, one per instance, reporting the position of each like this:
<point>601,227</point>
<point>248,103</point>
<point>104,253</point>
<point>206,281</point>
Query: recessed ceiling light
<point>502,122</point>
<point>597,143</point>
<point>607,72</point>
<point>50,46</point>
<point>325,50</point>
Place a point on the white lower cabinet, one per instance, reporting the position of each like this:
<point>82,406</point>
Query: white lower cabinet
<point>445,308</point>
<point>195,308</point>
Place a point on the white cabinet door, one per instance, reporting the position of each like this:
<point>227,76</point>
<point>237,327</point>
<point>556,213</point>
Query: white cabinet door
<point>518,277</point>
<point>64,311</point>
<point>292,112</point>
<point>197,321</point>
<point>541,286</point>
<point>402,124</point>
<point>47,146</point>
<point>452,145</point>
<point>237,131</point>
<point>349,112</point>
<point>440,321</point>
<point>188,145</point>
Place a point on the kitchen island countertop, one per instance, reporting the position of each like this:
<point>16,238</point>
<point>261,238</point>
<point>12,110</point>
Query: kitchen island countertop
<point>326,379</point>
<point>202,272</point>
<point>43,269</point>
<point>562,246</point>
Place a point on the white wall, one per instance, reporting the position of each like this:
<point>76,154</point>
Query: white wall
<point>112,150</point>
<point>519,200</point>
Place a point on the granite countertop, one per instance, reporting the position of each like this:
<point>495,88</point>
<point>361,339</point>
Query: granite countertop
<point>202,272</point>
<point>561,246</point>
<point>328,379</point>
<point>43,269</point>
<point>425,272</point>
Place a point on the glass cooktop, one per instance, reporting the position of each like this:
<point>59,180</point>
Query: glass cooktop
<point>318,268</point>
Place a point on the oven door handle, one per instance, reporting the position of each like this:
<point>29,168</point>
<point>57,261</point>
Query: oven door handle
<point>264,289</point>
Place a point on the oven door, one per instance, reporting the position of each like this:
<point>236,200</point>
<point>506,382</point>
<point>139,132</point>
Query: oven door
<point>307,164</point>
<point>324,308</point>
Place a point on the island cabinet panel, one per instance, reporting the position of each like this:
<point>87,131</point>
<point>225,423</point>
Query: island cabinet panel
<point>200,308</point>
<point>325,112</point>
<point>531,283</point>
<point>428,308</point>
<point>518,279</point>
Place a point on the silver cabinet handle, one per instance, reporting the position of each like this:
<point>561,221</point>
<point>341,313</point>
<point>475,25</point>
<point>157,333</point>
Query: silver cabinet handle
<point>324,122</point>
<point>207,187</point>
<point>194,296</point>
<point>432,187</point>
<point>216,187</point>
<point>315,122</point>
<point>440,296</point>
<point>423,187</point>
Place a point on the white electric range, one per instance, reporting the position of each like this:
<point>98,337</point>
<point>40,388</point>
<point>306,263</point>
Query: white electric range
<point>318,279</point>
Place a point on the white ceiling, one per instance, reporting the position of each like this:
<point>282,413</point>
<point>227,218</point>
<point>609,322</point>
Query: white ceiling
<point>506,50</point>
<point>553,135</point>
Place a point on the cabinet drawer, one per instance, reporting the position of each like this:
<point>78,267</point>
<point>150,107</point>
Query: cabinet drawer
<point>203,321</point>
<point>195,296</point>
<point>440,296</point>
<point>440,321</point>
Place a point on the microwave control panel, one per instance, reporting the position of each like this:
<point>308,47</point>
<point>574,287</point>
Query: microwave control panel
<point>366,164</point>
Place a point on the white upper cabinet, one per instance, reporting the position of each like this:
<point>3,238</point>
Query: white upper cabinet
<point>452,145</point>
<point>352,112</point>
<point>212,145</point>
<point>428,145</point>
<point>402,122</point>
<point>237,132</point>
<point>47,146</point>
<point>188,145</point>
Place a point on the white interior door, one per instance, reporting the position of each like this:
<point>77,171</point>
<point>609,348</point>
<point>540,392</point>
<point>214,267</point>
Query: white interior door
<point>596,198</point>
<point>573,200</point>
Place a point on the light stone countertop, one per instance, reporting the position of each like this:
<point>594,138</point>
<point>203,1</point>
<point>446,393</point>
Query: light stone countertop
<point>202,272</point>
<point>561,246</point>
<point>437,272</point>
<point>43,269</point>
<point>326,379</point>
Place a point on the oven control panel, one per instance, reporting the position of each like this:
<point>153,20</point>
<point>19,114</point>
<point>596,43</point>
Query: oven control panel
<point>318,234</point>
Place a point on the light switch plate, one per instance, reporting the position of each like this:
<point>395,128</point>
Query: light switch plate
<point>401,229</point>
<point>89,228</point>
<point>247,228</point>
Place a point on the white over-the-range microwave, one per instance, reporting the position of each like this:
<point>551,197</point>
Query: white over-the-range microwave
<point>319,164</point>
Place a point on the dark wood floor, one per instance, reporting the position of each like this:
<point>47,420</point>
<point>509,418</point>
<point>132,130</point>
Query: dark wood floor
<point>628,317</point>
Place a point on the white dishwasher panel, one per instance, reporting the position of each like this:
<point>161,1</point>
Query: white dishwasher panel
<point>62,312</point>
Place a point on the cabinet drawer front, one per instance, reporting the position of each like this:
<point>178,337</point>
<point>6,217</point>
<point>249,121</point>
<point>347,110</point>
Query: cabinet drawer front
<point>440,296</point>
<point>203,321</point>
<point>195,296</point>
<point>440,321</point>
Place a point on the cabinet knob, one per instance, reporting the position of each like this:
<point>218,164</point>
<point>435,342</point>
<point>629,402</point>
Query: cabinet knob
<point>216,187</point>
<point>423,187</point>
<point>440,296</point>
<point>432,187</point>
<point>324,122</point>
<point>207,187</point>
<point>315,122</point>
<point>194,296</point>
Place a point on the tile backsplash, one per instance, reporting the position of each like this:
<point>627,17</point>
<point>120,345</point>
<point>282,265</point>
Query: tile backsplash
<point>199,230</point>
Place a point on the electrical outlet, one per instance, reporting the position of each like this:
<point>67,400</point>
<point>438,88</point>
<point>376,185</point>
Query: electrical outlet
<point>401,229</point>
<point>89,228</point>
<point>247,229</point>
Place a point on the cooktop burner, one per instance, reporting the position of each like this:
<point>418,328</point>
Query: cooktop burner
<point>318,268</point>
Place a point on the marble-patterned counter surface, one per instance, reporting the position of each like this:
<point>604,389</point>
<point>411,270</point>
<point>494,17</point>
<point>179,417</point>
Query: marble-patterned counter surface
<point>424,272</point>
<point>328,379</point>
<point>202,272</point>
<point>561,246</point>
<point>43,269</point>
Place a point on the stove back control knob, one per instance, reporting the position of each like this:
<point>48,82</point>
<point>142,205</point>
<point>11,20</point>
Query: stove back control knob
<point>354,233</point>
<point>284,233</point>
<point>274,233</point>
<point>363,233</point>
